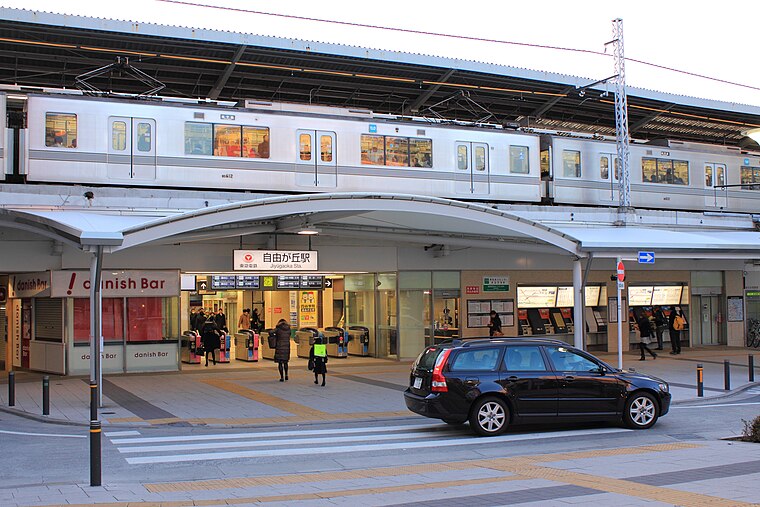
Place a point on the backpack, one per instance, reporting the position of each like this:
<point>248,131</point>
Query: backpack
<point>679,323</point>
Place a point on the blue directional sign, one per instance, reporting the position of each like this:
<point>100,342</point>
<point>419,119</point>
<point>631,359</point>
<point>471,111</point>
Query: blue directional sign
<point>646,257</point>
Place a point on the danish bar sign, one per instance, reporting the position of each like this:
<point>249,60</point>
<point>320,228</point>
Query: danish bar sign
<point>275,260</point>
<point>76,284</point>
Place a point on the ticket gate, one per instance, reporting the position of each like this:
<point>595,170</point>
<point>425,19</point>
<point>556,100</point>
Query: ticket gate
<point>336,339</point>
<point>265,350</point>
<point>358,341</point>
<point>247,346</point>
<point>191,346</point>
<point>224,348</point>
<point>304,339</point>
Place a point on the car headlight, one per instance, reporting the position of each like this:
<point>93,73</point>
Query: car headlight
<point>663,387</point>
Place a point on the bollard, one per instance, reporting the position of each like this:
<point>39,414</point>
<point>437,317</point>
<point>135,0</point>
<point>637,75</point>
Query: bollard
<point>726,375</point>
<point>11,389</point>
<point>45,395</point>
<point>95,453</point>
<point>751,362</point>
<point>700,381</point>
<point>93,401</point>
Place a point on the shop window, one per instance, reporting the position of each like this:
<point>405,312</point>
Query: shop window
<point>119,136</point>
<point>144,137</point>
<point>518,160</point>
<point>421,152</point>
<point>112,320</point>
<point>571,164</point>
<point>198,138</point>
<point>373,149</point>
<point>304,146</point>
<point>326,148</point>
<point>61,130</point>
<point>144,320</point>
<point>255,142</point>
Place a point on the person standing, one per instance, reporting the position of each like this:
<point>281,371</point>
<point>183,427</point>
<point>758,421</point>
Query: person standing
<point>494,325</point>
<point>221,320</point>
<point>675,330</point>
<point>244,322</point>
<point>318,358</point>
<point>660,322</point>
<point>210,337</point>
<point>256,323</point>
<point>645,336</point>
<point>198,320</point>
<point>282,348</point>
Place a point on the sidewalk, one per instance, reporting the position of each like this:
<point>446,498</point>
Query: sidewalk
<point>243,394</point>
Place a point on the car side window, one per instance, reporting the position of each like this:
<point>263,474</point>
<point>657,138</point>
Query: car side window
<point>565,359</point>
<point>478,359</point>
<point>524,358</point>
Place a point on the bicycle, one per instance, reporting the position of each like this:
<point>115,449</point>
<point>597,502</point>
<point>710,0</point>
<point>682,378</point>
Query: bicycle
<point>753,333</point>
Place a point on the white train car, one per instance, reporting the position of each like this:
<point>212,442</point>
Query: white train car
<point>6,161</point>
<point>668,175</point>
<point>270,147</point>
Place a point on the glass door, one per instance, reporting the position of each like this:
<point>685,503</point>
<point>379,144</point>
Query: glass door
<point>715,181</point>
<point>472,169</point>
<point>708,330</point>
<point>317,163</point>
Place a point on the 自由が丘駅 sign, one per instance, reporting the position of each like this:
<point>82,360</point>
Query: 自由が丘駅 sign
<point>274,260</point>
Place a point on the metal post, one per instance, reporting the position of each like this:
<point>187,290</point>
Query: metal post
<point>700,381</point>
<point>619,321</point>
<point>45,395</point>
<point>95,474</point>
<point>727,375</point>
<point>751,362</point>
<point>11,389</point>
<point>93,401</point>
<point>579,328</point>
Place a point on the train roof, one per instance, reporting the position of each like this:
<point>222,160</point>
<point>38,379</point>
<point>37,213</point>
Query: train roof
<point>41,49</point>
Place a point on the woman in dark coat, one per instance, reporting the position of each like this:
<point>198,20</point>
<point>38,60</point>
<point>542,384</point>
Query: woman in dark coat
<point>210,336</point>
<point>675,334</point>
<point>645,336</point>
<point>319,361</point>
<point>282,349</point>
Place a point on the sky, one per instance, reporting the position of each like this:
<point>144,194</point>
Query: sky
<point>713,39</point>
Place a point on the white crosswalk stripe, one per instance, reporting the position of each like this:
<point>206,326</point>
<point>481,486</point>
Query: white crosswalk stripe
<point>220,446</point>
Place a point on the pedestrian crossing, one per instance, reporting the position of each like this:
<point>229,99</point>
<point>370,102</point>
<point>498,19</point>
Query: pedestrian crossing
<point>267,444</point>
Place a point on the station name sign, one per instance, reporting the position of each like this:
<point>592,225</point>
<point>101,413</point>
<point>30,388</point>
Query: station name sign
<point>274,260</point>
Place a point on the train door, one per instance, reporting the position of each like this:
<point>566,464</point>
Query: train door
<point>610,177</point>
<point>472,169</point>
<point>316,168</point>
<point>715,181</point>
<point>132,148</point>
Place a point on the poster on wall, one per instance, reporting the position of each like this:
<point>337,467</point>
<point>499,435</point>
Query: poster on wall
<point>307,309</point>
<point>735,308</point>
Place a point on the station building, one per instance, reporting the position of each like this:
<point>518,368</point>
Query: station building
<point>383,274</point>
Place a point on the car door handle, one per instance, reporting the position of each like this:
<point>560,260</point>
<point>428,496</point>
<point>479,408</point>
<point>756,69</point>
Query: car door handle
<point>569,378</point>
<point>471,381</point>
<point>513,378</point>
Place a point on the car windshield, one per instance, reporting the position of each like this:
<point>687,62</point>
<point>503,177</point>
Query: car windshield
<point>426,359</point>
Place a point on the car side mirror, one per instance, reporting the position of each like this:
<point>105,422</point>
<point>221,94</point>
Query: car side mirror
<point>601,370</point>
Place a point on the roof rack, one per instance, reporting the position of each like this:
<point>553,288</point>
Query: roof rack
<point>508,339</point>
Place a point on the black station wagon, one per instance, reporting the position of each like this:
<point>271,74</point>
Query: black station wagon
<point>496,382</point>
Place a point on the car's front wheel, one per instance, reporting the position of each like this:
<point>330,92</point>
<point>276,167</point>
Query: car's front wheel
<point>641,411</point>
<point>489,417</point>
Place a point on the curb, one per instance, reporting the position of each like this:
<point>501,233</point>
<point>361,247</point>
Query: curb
<point>733,392</point>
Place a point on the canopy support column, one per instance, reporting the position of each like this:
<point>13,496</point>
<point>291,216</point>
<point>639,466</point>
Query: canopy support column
<point>578,328</point>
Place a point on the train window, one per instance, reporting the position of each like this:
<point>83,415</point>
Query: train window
<point>198,138</point>
<point>61,130</point>
<point>227,140</point>
<point>708,176</point>
<point>462,157</point>
<point>397,151</point>
<point>480,158</point>
<point>326,148</point>
<point>571,164</point>
<point>255,142</point>
<point>545,166</point>
<point>680,172</point>
<point>304,146</point>
<point>119,136</point>
<point>604,167</point>
<point>144,137</point>
<point>518,160</point>
<point>672,172</point>
<point>750,177</point>
<point>421,152</point>
<point>373,149</point>
<point>617,169</point>
<point>720,175</point>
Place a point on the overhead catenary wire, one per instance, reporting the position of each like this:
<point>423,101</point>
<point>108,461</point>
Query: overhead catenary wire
<point>456,36</point>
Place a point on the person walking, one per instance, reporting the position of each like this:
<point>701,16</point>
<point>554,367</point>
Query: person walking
<point>660,323</point>
<point>675,325</point>
<point>282,348</point>
<point>318,360</point>
<point>645,336</point>
<point>221,320</point>
<point>494,325</point>
<point>211,338</point>
<point>256,323</point>
<point>244,322</point>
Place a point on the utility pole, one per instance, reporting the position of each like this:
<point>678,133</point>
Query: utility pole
<point>621,118</point>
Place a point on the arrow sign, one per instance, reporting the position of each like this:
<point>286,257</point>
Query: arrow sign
<point>646,257</point>
<point>328,283</point>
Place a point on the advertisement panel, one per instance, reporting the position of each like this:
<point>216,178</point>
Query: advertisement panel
<point>116,283</point>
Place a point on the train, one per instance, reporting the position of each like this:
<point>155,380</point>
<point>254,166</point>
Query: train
<point>271,147</point>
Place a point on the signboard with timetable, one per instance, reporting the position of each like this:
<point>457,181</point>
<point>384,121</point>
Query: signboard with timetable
<point>222,282</point>
<point>247,282</point>
<point>274,260</point>
<point>291,282</point>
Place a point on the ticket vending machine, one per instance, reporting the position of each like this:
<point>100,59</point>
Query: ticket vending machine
<point>358,343</point>
<point>247,346</point>
<point>336,340</point>
<point>567,315</point>
<point>191,345</point>
<point>304,339</point>
<point>522,317</point>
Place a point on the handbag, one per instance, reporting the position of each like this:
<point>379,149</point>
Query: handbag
<point>272,339</point>
<point>310,365</point>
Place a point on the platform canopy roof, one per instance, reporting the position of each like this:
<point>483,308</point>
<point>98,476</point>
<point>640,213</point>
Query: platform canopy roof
<point>395,219</point>
<point>39,49</point>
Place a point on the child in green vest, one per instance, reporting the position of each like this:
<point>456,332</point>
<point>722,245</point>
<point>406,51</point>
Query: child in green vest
<point>318,357</point>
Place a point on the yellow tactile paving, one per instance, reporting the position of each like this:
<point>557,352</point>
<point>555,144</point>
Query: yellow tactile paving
<point>267,399</point>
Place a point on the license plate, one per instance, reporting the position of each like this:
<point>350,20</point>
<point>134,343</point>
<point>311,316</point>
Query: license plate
<point>417,382</point>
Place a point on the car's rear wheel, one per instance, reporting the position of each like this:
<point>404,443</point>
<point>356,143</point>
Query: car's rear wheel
<point>641,411</point>
<point>489,417</point>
